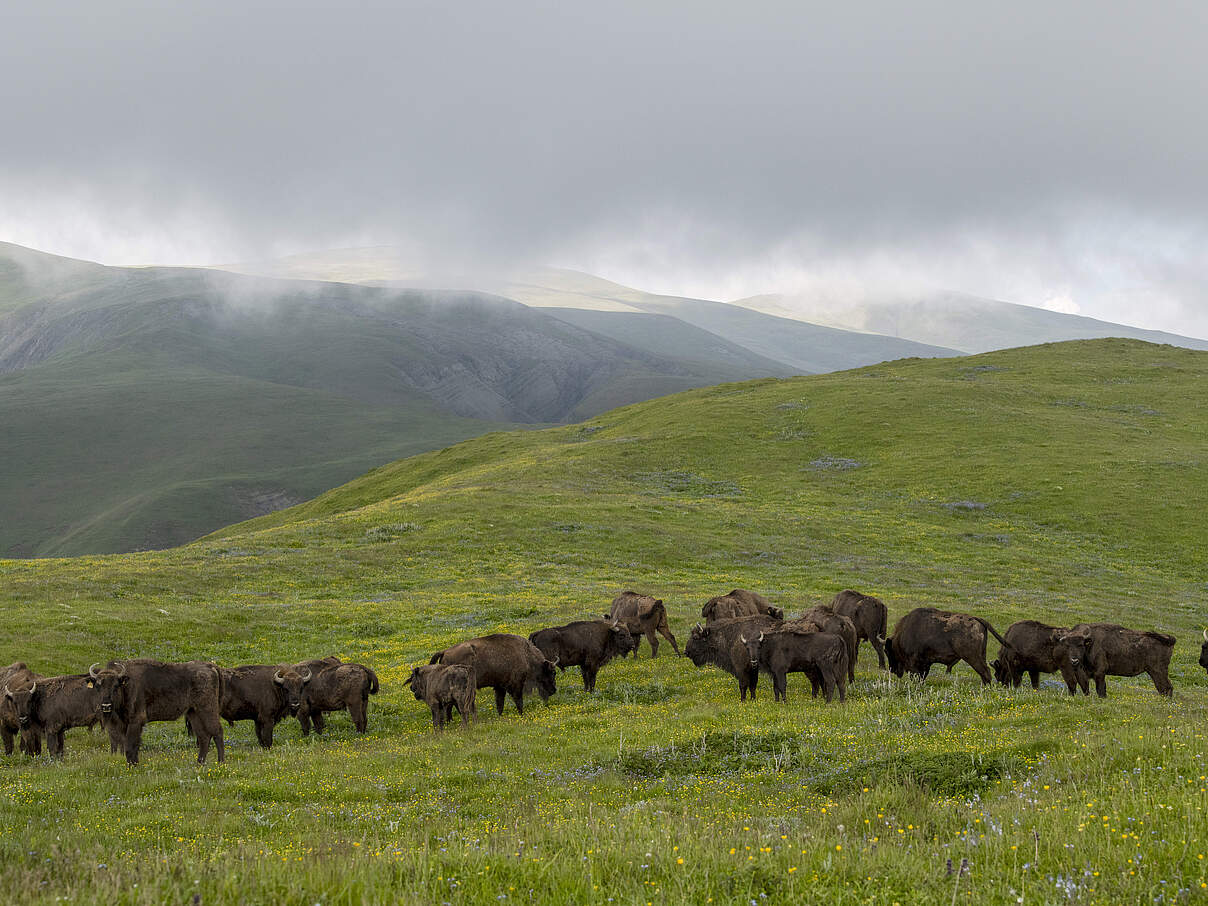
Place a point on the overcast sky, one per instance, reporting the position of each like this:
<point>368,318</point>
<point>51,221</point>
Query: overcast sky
<point>1047,153</point>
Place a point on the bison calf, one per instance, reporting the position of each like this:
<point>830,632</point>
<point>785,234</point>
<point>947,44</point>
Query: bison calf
<point>18,682</point>
<point>586,644</point>
<point>443,688</point>
<point>642,615</point>
<point>823,618</point>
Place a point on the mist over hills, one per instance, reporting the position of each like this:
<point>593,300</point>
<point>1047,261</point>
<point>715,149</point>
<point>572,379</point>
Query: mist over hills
<point>144,407</point>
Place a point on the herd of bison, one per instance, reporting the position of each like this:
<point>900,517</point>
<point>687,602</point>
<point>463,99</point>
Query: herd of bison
<point>743,633</point>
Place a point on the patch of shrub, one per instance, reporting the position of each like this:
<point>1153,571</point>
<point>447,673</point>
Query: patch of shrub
<point>389,532</point>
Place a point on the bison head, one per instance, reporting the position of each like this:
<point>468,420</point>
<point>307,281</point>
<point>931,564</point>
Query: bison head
<point>697,649</point>
<point>292,682</point>
<point>24,703</point>
<point>1204,651</point>
<point>752,648</point>
<point>621,640</point>
<point>418,681</point>
<point>896,667</point>
<point>776,613</point>
<point>111,684</point>
<point>547,680</point>
<point>1078,647</point>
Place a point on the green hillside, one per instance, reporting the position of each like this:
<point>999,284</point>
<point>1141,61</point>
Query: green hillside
<point>1059,482</point>
<point>144,407</point>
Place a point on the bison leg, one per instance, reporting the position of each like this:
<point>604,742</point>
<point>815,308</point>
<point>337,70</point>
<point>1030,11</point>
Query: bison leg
<point>358,708</point>
<point>500,696</point>
<point>654,643</point>
<point>981,669</point>
<point>828,686</point>
<point>841,684</point>
<point>438,716</point>
<point>779,687</point>
<point>1071,681</point>
<point>1034,675</point>
<point>304,721</point>
<point>8,740</point>
<point>54,743</point>
<point>665,631</point>
<point>518,697</point>
<point>589,678</point>
<point>637,643</point>
<point>264,733</point>
<point>1161,681</point>
<point>117,734</point>
<point>319,721</point>
<point>1101,685</point>
<point>134,740</point>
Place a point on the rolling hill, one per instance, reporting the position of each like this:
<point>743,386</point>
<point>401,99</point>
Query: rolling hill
<point>144,407</point>
<point>958,321</point>
<point>1059,482</point>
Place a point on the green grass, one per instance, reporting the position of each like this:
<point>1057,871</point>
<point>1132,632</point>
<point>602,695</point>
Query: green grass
<point>1088,458</point>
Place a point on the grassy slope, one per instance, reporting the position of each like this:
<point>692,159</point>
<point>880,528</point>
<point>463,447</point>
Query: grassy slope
<point>1088,457</point>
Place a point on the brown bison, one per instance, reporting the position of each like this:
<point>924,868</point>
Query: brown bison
<point>443,688</point>
<point>17,682</point>
<point>927,636</point>
<point>52,706</point>
<point>822,656</point>
<point>263,694</point>
<point>642,615</point>
<point>586,644</point>
<point>336,686</point>
<point>739,603</point>
<point>1204,651</point>
<point>508,663</point>
<point>824,619</point>
<point>1098,650</point>
<point>719,643</point>
<point>136,691</point>
<point>1035,648</point>
<point>869,615</point>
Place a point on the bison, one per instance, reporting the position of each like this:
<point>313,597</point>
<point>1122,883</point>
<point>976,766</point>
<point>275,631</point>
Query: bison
<point>264,694</point>
<point>739,603</point>
<point>1204,651</point>
<point>444,688</point>
<point>508,663</point>
<point>642,615</point>
<point>586,644</point>
<point>140,690</point>
<point>336,686</point>
<point>820,655</point>
<point>1099,650</point>
<point>719,643</point>
<point>17,681</point>
<point>927,636</point>
<point>1035,648</point>
<point>824,619</point>
<point>52,706</point>
<point>869,615</point>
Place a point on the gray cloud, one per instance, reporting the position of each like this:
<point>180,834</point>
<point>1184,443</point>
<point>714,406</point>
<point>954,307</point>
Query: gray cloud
<point>1033,151</point>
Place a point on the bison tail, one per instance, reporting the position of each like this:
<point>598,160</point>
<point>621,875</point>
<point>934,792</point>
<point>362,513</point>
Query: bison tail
<point>373,682</point>
<point>1162,637</point>
<point>994,632</point>
<point>436,657</point>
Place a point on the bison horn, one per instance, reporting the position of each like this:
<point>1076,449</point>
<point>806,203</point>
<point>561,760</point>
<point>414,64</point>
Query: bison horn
<point>881,639</point>
<point>278,677</point>
<point>700,627</point>
<point>306,679</point>
<point>32,687</point>
<point>1206,635</point>
<point>761,635</point>
<point>121,668</point>
<point>93,671</point>
<point>7,694</point>
<point>557,657</point>
<point>743,639</point>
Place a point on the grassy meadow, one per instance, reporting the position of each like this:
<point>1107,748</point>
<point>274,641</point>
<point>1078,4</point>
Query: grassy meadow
<point>1061,482</point>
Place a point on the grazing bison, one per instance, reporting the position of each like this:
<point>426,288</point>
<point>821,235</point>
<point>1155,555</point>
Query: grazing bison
<point>1099,650</point>
<point>264,694</point>
<point>720,643</point>
<point>52,706</point>
<point>927,636</point>
<point>336,686</point>
<point>17,682</point>
<point>586,644</point>
<point>822,656</point>
<point>869,615</point>
<point>1035,648</point>
<point>508,663</point>
<point>1204,651</point>
<point>444,688</point>
<point>739,603</point>
<point>134,692</point>
<point>824,619</point>
<point>642,615</point>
